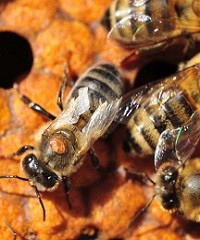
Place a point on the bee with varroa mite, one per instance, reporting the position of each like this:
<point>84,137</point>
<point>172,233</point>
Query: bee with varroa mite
<point>155,107</point>
<point>85,116</point>
<point>177,184</point>
<point>151,25</point>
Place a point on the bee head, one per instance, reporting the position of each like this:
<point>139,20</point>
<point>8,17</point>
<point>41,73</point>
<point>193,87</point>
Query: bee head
<point>39,174</point>
<point>166,187</point>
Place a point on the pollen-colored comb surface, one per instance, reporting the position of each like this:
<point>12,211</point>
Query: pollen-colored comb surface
<point>59,33</point>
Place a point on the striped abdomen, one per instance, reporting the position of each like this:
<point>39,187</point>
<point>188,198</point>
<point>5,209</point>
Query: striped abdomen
<point>149,121</point>
<point>147,23</point>
<point>104,84</point>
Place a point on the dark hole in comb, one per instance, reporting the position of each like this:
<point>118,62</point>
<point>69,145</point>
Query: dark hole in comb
<point>154,71</point>
<point>16,58</point>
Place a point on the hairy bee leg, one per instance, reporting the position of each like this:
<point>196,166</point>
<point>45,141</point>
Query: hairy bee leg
<point>66,80</point>
<point>34,106</point>
<point>23,149</point>
<point>20,151</point>
<point>95,161</point>
<point>66,186</point>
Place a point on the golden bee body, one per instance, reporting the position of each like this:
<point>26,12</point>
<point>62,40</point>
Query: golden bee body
<point>155,107</point>
<point>153,24</point>
<point>88,112</point>
<point>178,175</point>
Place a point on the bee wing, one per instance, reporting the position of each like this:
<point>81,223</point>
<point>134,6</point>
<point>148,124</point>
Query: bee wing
<point>188,138</point>
<point>132,101</point>
<point>135,23</point>
<point>146,95</point>
<point>177,145</point>
<point>165,149</point>
<point>98,123</point>
<point>155,95</point>
<point>77,106</point>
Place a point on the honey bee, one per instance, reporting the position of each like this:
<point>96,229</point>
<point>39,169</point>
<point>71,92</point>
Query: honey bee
<point>155,107</point>
<point>151,25</point>
<point>177,184</point>
<point>178,176</point>
<point>60,146</point>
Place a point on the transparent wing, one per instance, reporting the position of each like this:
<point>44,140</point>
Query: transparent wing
<point>132,101</point>
<point>98,124</point>
<point>154,96</point>
<point>133,25</point>
<point>73,110</point>
<point>138,38</point>
<point>178,145</point>
<point>165,149</point>
<point>188,138</point>
<point>78,106</point>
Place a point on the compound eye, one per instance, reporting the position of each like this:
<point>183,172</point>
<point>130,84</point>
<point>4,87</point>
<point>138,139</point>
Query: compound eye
<point>38,173</point>
<point>30,163</point>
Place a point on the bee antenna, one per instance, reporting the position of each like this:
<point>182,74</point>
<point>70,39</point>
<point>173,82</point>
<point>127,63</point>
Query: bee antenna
<point>12,229</point>
<point>19,152</point>
<point>36,191</point>
<point>140,175</point>
<point>41,202</point>
<point>142,211</point>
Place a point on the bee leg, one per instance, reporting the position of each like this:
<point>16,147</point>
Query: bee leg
<point>95,161</point>
<point>34,106</point>
<point>141,211</point>
<point>66,186</point>
<point>130,61</point>
<point>19,152</point>
<point>66,80</point>
<point>145,177</point>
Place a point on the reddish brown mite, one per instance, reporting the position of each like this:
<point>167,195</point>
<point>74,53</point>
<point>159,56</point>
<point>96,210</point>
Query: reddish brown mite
<point>58,145</point>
